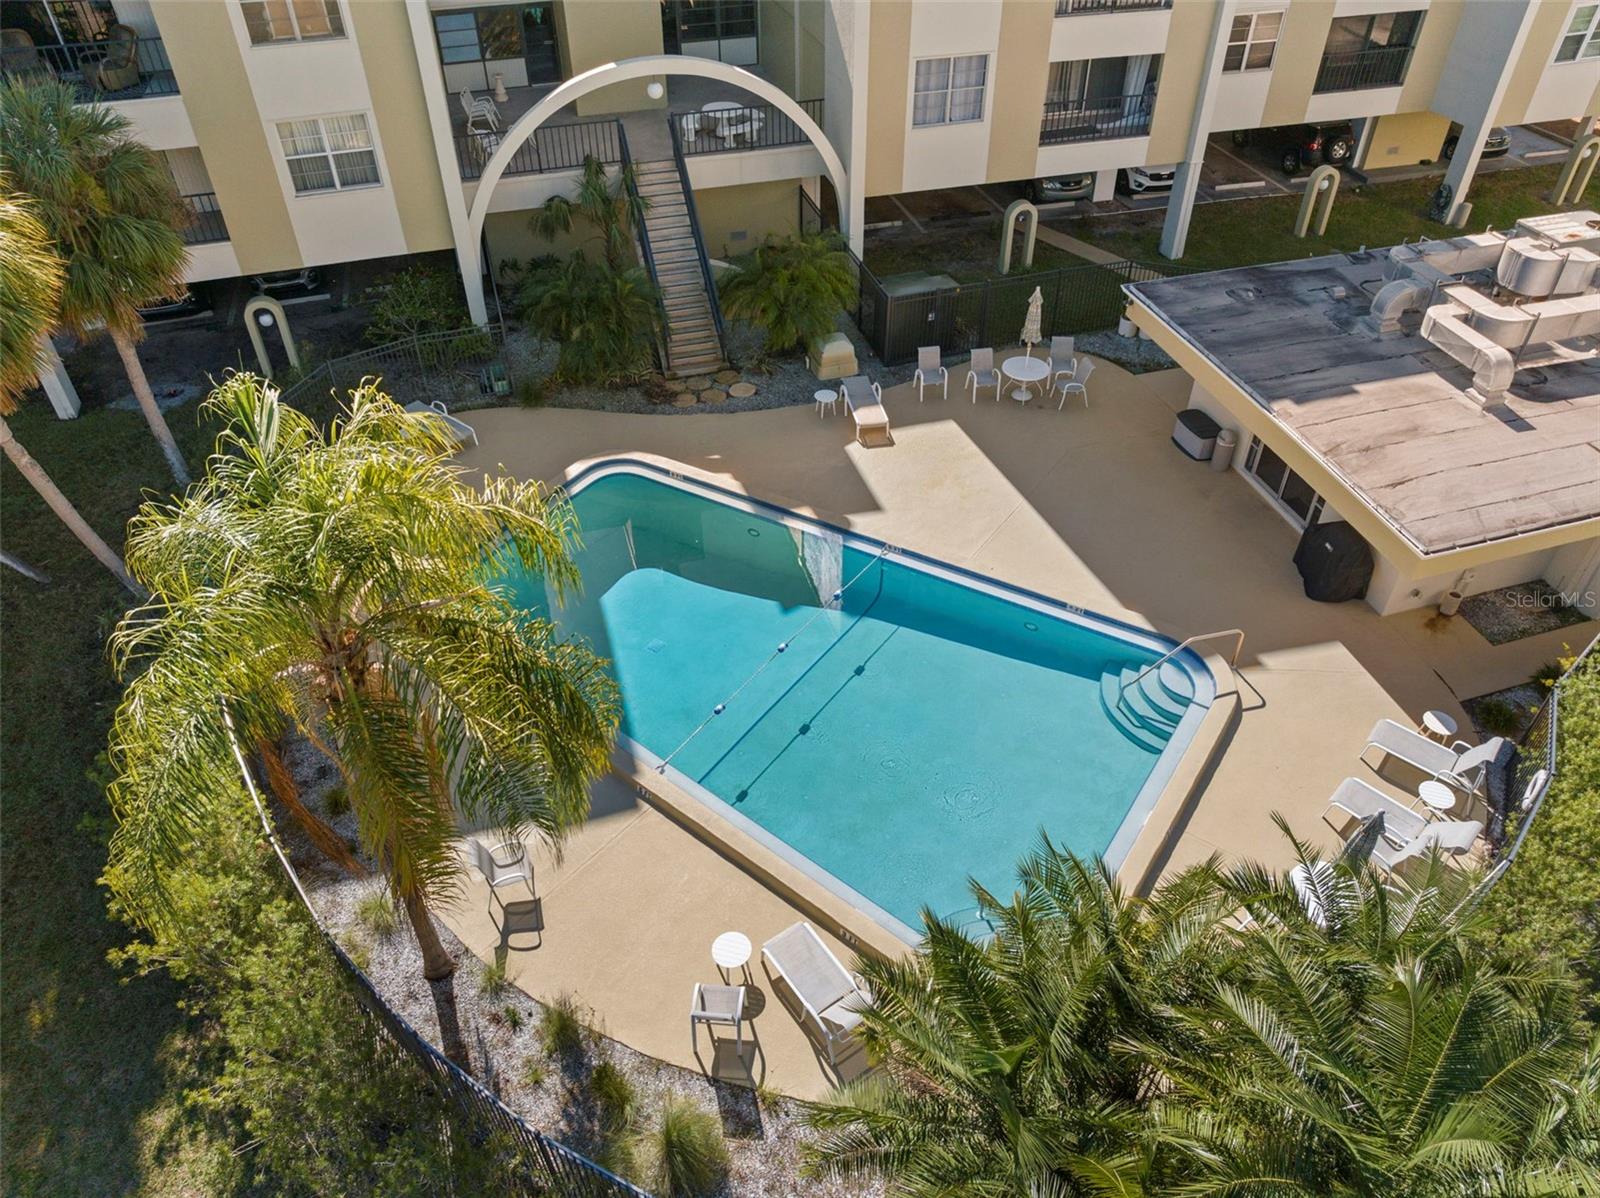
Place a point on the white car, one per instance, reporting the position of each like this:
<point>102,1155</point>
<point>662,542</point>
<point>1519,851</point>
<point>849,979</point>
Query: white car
<point>1146,178</point>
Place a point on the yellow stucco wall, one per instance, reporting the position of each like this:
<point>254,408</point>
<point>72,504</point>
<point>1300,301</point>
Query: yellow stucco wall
<point>1021,75</point>
<point>734,220</point>
<point>1429,58</point>
<point>1188,41</point>
<point>1294,69</point>
<point>888,82</point>
<point>1405,139</point>
<point>780,41</point>
<point>204,52</point>
<point>594,32</point>
<point>1538,51</point>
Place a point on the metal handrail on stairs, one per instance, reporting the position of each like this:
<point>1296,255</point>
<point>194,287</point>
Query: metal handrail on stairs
<point>641,240</point>
<point>699,242</point>
<point>1233,662</point>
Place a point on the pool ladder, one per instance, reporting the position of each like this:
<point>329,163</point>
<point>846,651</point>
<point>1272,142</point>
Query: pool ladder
<point>1233,661</point>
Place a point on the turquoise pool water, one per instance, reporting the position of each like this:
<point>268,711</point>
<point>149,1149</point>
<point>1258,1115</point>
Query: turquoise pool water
<point>916,730</point>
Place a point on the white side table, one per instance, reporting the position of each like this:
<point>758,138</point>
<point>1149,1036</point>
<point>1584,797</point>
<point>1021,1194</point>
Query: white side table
<point>825,399</point>
<point>1439,798</point>
<point>1438,724</point>
<point>731,950</point>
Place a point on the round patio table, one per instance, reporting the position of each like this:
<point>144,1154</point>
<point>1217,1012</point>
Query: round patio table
<point>731,950</point>
<point>1024,370</point>
<point>1438,797</point>
<point>1438,724</point>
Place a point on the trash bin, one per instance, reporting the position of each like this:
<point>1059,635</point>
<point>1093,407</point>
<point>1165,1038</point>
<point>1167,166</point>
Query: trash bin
<point>1222,455</point>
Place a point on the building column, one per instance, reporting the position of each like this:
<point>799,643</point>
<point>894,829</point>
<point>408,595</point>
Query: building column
<point>1463,168</point>
<point>57,383</point>
<point>1186,180</point>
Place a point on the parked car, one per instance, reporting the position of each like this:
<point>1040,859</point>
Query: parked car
<point>1302,147</point>
<point>1497,142</point>
<point>1058,188</point>
<point>193,300</point>
<point>281,283</point>
<point>1137,179</point>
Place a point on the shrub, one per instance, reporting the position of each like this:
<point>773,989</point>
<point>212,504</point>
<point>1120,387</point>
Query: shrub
<point>492,983</point>
<point>513,1018</point>
<point>419,299</point>
<point>1498,717</point>
<point>376,913</point>
<point>560,1027</point>
<point>613,1096</point>
<point>336,802</point>
<point>533,1072</point>
<point>794,290</point>
<point>602,319</point>
<point>681,1155</point>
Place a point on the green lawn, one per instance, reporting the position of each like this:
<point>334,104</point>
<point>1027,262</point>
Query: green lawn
<point>968,255</point>
<point>94,1065</point>
<point>1245,232</point>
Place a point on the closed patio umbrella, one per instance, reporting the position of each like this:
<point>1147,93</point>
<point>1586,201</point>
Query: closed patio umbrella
<point>1031,332</point>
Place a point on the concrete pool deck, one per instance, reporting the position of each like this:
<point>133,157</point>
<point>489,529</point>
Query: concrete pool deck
<point>1092,506</point>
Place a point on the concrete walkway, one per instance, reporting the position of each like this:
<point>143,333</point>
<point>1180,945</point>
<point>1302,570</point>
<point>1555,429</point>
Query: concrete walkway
<point>1093,506</point>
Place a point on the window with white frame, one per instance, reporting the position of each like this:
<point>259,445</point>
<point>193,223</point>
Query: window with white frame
<point>329,153</point>
<point>1582,38</point>
<point>949,91</point>
<point>291,20</point>
<point>1289,492</point>
<point>1252,41</point>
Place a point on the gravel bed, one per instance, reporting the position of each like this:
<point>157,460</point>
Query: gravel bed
<point>1506,712</point>
<point>1522,610</point>
<point>1134,354</point>
<point>500,1032</point>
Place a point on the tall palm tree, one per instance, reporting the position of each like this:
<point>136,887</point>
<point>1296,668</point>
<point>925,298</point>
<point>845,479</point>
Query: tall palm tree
<point>114,214</point>
<point>30,288</point>
<point>1377,1050</point>
<point>999,1071</point>
<point>611,204</point>
<point>337,584</point>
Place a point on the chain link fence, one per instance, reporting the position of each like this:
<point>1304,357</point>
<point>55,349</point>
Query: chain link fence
<point>465,367</point>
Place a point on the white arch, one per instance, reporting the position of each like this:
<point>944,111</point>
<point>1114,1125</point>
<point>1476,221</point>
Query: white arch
<point>624,71</point>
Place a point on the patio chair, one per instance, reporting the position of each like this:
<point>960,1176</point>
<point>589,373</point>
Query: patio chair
<point>930,371</point>
<point>1460,765</point>
<point>717,1004</point>
<point>119,69</point>
<point>830,995</point>
<point>865,403</point>
<point>689,127</point>
<point>1361,801</point>
<point>981,373</point>
<point>482,113</point>
<point>1452,836</point>
<point>1062,359</point>
<point>19,55</point>
<point>1078,384</point>
<point>504,865</point>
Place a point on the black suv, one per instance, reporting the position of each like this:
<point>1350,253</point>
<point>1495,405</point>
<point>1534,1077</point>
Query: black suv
<point>1302,147</point>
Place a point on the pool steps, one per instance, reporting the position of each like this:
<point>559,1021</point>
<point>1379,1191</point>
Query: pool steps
<point>1146,711</point>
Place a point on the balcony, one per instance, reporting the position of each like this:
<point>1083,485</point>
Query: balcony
<point>742,127</point>
<point>1096,119</point>
<point>118,68</point>
<point>205,224</point>
<point>1360,69</point>
<point>553,147</point>
<point>1073,8</point>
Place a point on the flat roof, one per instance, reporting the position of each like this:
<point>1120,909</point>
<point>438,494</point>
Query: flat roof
<point>1389,415</point>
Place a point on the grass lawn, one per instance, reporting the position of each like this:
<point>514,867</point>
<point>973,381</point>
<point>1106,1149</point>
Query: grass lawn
<point>1246,232</point>
<point>94,1064</point>
<point>968,255</point>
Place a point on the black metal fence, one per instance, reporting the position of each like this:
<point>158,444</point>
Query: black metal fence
<point>1384,66</point>
<point>1068,8</point>
<point>206,224</point>
<point>459,367</point>
<point>110,69</point>
<point>551,148</point>
<point>744,127</point>
<point>1096,119</point>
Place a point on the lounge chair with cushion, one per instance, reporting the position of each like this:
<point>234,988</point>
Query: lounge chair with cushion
<point>830,995</point>
<point>1357,800</point>
<point>981,373</point>
<point>865,401</point>
<point>930,371</point>
<point>1460,764</point>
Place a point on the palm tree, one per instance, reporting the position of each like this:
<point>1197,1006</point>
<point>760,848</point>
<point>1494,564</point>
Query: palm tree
<point>999,1071</point>
<point>602,319</point>
<point>112,210</point>
<point>30,288</point>
<point>1377,1050</point>
<point>612,205</point>
<point>793,289</point>
<point>337,585</point>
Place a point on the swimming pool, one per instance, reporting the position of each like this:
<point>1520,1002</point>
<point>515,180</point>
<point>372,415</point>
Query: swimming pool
<point>889,724</point>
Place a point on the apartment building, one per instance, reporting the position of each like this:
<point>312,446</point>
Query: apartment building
<point>317,132</point>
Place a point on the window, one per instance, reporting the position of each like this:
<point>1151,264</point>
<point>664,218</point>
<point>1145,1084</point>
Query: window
<point>499,39</point>
<point>1290,492</point>
<point>329,153</point>
<point>949,91</point>
<point>1582,38</point>
<point>1252,41</point>
<point>291,20</point>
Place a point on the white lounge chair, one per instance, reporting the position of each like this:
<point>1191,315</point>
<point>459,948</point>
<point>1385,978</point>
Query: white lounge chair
<point>1078,384</point>
<point>1451,836</point>
<point>459,429</point>
<point>865,403</point>
<point>1062,359</point>
<point>930,371</point>
<point>1460,765</point>
<point>717,1004</point>
<point>504,865</point>
<point>831,996</point>
<point>981,373</point>
<point>1360,801</point>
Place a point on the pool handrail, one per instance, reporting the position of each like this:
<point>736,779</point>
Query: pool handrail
<point>1233,661</point>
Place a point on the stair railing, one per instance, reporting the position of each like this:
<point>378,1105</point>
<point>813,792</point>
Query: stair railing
<point>699,242</point>
<point>1233,662</point>
<point>641,240</point>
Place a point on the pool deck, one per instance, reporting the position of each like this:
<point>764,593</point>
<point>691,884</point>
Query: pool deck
<point>1092,506</point>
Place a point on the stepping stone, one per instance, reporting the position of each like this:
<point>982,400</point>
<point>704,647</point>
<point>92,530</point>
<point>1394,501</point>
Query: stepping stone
<point>713,395</point>
<point>684,399</point>
<point>727,376</point>
<point>698,383</point>
<point>742,390</point>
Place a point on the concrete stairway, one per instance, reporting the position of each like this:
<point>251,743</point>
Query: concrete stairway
<point>693,344</point>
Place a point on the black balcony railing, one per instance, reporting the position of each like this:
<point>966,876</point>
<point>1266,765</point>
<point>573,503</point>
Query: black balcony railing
<point>741,127</point>
<point>1071,8</point>
<point>551,148</point>
<point>1357,69</point>
<point>1095,119</point>
<point>206,224</point>
<point>111,69</point>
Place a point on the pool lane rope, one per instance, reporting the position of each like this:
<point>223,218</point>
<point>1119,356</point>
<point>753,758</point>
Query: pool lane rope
<point>783,647</point>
